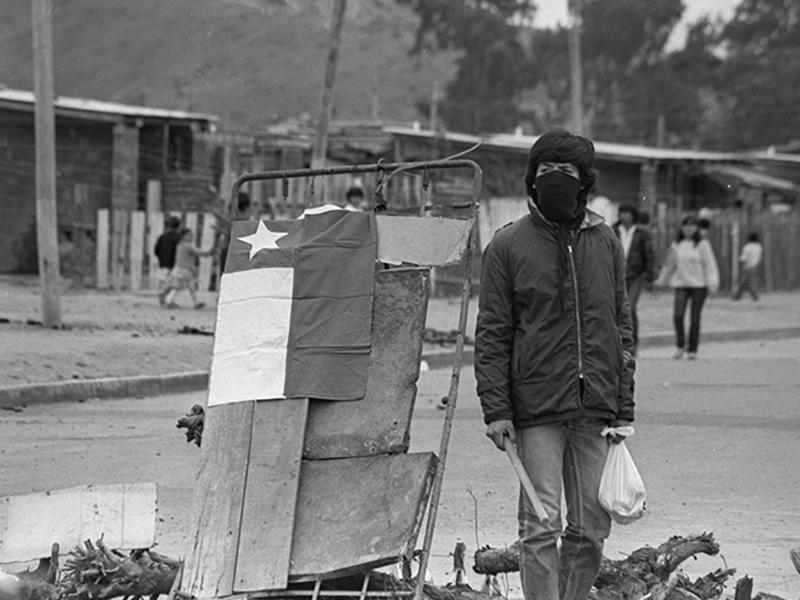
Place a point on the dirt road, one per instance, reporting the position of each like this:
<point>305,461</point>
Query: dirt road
<point>717,442</point>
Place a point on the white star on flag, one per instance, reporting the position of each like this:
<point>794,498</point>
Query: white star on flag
<point>262,239</point>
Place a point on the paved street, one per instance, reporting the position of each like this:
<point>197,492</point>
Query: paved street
<point>717,443</point>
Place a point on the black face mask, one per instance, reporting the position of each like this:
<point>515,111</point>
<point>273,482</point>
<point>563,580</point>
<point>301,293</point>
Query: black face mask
<point>556,196</point>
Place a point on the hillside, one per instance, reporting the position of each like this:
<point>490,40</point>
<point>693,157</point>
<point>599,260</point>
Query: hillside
<point>250,61</point>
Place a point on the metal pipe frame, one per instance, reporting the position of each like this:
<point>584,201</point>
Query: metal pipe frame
<point>389,170</point>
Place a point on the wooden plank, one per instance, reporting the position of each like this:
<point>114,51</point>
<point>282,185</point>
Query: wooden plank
<point>190,222</point>
<point>119,243</point>
<point>153,196</point>
<point>218,499</point>
<point>123,514</point>
<point>355,514</point>
<point>137,249</point>
<point>102,248</point>
<point>270,496</point>
<point>206,262</point>
<point>155,227</point>
<point>380,422</point>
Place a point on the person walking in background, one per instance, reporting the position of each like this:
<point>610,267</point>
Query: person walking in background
<point>554,363</point>
<point>691,270</point>
<point>749,259</point>
<point>184,273</point>
<point>640,262</point>
<point>165,253</point>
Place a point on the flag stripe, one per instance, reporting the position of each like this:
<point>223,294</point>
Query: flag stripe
<point>331,329</point>
<point>252,335</point>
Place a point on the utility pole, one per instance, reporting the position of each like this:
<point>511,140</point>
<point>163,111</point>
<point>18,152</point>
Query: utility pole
<point>321,139</point>
<point>434,112</point>
<point>46,213</point>
<point>661,131</point>
<point>575,70</point>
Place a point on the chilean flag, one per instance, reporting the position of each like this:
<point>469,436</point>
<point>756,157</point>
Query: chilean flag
<point>294,315</point>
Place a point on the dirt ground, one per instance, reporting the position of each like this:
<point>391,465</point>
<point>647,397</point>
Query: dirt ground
<point>717,444</point>
<point>717,440</point>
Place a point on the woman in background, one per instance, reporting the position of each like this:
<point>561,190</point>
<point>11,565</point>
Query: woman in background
<point>691,270</point>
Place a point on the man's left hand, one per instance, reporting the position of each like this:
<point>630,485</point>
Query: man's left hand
<point>615,438</point>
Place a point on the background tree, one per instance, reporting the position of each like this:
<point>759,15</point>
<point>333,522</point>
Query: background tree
<point>760,74</point>
<point>490,35</point>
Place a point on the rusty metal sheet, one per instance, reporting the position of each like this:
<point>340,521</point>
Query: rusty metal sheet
<point>425,241</point>
<point>355,514</point>
<point>379,423</point>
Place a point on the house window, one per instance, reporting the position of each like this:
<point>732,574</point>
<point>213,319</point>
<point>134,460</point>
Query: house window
<point>179,149</point>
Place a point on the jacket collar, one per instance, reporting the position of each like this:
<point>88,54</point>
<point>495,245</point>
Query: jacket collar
<point>590,218</point>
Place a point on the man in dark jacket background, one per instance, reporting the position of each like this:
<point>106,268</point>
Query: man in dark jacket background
<point>553,361</point>
<point>640,260</point>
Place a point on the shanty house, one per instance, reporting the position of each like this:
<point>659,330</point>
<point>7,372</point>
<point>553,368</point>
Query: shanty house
<point>108,155</point>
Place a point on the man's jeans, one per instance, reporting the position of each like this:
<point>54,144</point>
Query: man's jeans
<point>575,452</point>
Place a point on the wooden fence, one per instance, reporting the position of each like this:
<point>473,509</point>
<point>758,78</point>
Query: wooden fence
<point>125,260</point>
<point>778,234</point>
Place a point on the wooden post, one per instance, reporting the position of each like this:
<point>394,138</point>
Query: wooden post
<point>190,222</point>
<point>735,243</point>
<point>321,139</point>
<point>119,245</point>
<point>46,214</point>
<point>726,250</point>
<point>648,186</point>
<point>155,227</point>
<point>137,249</point>
<point>769,258</point>
<point>791,264</point>
<point>103,229</point>
<point>206,262</point>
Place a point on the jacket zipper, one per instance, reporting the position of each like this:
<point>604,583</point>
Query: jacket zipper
<point>577,316</point>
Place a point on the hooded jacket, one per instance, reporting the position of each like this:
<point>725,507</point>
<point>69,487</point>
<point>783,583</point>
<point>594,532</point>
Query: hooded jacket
<point>551,331</point>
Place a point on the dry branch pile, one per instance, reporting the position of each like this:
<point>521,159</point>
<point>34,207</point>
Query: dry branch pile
<point>646,572</point>
<point>94,572</point>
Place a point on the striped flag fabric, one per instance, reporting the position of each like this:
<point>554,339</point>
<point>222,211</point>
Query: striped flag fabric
<point>294,314</point>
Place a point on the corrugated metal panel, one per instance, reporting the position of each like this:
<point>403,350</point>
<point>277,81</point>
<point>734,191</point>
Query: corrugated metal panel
<point>749,177</point>
<point>631,152</point>
<point>108,108</point>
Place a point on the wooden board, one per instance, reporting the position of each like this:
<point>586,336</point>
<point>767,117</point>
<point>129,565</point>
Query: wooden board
<point>355,514</point>
<point>380,422</point>
<point>218,500</point>
<point>206,262</point>
<point>123,514</point>
<point>119,245</point>
<point>270,495</point>
<point>137,249</point>
<point>155,227</point>
<point>103,226</point>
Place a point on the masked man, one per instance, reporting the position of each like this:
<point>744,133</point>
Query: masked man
<point>553,361</point>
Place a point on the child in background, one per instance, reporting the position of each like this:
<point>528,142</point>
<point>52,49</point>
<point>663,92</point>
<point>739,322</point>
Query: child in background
<point>750,258</point>
<point>184,273</point>
<point>165,253</point>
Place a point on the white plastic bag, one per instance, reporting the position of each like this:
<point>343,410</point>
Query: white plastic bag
<point>622,492</point>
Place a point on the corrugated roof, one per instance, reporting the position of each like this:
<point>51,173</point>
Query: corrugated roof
<point>750,177</point>
<point>107,108</point>
<point>602,149</point>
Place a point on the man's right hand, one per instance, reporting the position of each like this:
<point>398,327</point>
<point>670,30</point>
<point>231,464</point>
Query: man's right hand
<point>497,430</point>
